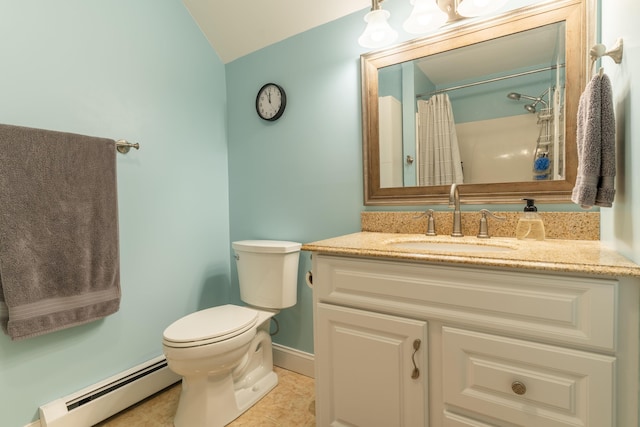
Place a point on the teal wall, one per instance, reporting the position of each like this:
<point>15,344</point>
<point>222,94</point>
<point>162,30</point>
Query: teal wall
<point>299,178</point>
<point>489,101</point>
<point>390,81</point>
<point>139,70</point>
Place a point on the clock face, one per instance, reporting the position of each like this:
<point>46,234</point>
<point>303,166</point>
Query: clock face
<point>270,102</point>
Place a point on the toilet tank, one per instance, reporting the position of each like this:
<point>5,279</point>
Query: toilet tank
<point>268,272</point>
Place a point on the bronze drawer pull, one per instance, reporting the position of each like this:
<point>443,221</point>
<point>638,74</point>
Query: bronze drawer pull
<point>416,371</point>
<point>518,388</point>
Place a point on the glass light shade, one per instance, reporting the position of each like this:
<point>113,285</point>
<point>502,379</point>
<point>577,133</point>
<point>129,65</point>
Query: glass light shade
<point>471,8</point>
<point>426,16</point>
<point>378,32</point>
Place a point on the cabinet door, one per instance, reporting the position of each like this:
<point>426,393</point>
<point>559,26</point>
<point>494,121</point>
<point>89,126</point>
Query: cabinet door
<point>365,369</point>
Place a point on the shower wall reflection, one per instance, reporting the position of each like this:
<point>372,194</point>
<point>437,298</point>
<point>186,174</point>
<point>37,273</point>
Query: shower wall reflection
<point>528,147</point>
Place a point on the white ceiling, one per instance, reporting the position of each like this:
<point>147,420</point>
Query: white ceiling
<point>236,28</point>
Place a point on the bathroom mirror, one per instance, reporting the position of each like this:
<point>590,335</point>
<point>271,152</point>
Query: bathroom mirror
<point>504,92</point>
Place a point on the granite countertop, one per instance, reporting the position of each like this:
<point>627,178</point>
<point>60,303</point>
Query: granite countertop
<point>573,256</point>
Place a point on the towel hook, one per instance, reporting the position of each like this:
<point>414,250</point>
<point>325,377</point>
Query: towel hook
<point>123,146</point>
<point>600,50</point>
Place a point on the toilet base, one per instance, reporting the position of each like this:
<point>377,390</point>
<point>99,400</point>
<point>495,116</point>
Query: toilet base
<point>206,405</point>
<point>216,399</point>
<point>248,397</point>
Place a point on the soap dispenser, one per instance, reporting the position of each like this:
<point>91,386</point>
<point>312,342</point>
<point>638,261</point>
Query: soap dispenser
<point>530,225</point>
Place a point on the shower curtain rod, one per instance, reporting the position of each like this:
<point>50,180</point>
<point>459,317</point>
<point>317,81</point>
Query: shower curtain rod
<point>429,94</point>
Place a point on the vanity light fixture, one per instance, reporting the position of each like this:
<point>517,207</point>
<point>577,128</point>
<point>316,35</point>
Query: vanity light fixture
<point>378,32</point>
<point>426,16</point>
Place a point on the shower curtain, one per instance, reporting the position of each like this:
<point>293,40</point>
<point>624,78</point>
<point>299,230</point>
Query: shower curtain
<point>439,155</point>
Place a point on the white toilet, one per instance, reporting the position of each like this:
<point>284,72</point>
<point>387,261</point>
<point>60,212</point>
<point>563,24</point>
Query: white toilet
<point>224,353</point>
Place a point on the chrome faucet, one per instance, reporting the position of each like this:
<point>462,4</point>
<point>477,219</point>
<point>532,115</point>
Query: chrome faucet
<point>431,222</point>
<point>454,202</point>
<point>483,231</point>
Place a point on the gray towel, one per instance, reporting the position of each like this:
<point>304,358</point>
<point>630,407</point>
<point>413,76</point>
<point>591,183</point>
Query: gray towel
<point>596,146</point>
<point>59,255</point>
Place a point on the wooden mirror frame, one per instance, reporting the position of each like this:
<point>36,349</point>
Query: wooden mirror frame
<point>580,25</point>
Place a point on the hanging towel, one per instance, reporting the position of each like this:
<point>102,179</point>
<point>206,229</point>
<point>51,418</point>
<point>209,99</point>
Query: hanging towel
<point>59,255</point>
<point>596,146</point>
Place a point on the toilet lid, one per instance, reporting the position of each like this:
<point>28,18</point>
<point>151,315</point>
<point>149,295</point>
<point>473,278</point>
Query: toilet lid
<point>216,322</point>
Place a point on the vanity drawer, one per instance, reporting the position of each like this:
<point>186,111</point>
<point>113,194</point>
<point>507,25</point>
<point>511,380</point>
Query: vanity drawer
<point>526,383</point>
<point>553,307</point>
<point>455,420</point>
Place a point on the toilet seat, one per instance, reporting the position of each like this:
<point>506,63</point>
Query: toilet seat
<point>210,326</point>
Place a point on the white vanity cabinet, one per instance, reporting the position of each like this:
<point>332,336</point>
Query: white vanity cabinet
<point>498,347</point>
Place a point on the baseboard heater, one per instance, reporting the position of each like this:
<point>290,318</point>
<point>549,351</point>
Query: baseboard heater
<point>106,398</point>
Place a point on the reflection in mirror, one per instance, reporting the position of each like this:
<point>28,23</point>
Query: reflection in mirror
<point>490,112</point>
<point>489,105</point>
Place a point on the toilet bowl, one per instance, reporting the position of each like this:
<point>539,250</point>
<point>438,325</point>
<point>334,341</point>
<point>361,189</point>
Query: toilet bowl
<point>224,353</point>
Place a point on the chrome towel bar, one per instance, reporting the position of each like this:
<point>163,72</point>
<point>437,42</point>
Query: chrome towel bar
<point>123,146</point>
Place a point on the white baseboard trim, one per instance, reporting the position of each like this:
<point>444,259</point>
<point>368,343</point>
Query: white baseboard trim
<point>294,360</point>
<point>285,357</point>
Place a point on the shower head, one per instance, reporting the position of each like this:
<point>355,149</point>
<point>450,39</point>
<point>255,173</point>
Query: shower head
<point>532,107</point>
<point>516,96</point>
<point>529,107</point>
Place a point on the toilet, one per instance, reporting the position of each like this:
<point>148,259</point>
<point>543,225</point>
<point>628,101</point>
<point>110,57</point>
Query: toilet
<point>224,353</point>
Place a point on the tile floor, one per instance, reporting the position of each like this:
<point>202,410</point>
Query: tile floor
<point>290,404</point>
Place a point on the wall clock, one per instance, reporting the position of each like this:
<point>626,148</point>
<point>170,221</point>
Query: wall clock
<point>271,102</point>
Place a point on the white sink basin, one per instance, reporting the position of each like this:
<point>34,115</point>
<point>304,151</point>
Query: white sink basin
<point>449,246</point>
